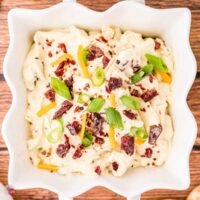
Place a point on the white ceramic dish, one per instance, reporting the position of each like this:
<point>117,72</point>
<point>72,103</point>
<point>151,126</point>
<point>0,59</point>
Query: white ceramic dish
<point>173,25</point>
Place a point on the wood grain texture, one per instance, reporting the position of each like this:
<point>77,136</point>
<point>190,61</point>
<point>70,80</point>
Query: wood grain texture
<point>193,98</point>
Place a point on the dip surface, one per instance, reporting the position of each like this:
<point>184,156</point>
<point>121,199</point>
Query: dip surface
<point>98,101</point>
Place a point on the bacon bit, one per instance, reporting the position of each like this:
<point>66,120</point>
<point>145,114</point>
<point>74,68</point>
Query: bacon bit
<point>115,166</point>
<point>127,144</point>
<point>74,128</point>
<point>50,54</point>
<point>149,95</point>
<point>78,109</point>
<point>143,110</point>
<point>148,152</point>
<point>49,43</point>
<point>105,61</point>
<point>94,52</point>
<point>113,84</point>
<point>60,69</point>
<point>62,46</point>
<point>63,149</point>
<point>65,106</point>
<point>140,86</point>
<point>50,95</point>
<point>95,122</point>
<point>136,68</point>
<point>154,133</point>
<point>102,39</point>
<point>99,140</point>
<point>86,87</point>
<point>135,93</point>
<point>69,82</point>
<point>78,152</point>
<point>129,114</point>
<point>103,134</point>
<point>98,170</point>
<point>157,45</point>
<point>151,78</point>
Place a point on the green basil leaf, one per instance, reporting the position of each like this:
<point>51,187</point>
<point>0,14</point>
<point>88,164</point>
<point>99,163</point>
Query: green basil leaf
<point>145,71</point>
<point>139,133</point>
<point>157,63</point>
<point>60,88</point>
<point>96,105</point>
<point>114,118</point>
<point>98,77</point>
<point>130,102</point>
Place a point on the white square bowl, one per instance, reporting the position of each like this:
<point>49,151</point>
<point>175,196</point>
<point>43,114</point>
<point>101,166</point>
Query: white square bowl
<point>173,25</point>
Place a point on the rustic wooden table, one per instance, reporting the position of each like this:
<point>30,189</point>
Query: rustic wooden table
<point>193,99</point>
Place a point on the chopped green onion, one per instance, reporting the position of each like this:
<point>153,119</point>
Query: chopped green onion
<point>57,131</point>
<point>142,73</point>
<point>98,77</point>
<point>157,63</point>
<point>83,98</point>
<point>114,118</point>
<point>139,133</point>
<point>55,135</point>
<point>130,102</point>
<point>60,88</point>
<point>40,149</point>
<point>96,105</point>
<point>87,140</point>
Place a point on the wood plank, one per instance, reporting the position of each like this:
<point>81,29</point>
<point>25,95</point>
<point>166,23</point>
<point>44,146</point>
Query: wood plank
<point>103,193</point>
<point>102,5</point>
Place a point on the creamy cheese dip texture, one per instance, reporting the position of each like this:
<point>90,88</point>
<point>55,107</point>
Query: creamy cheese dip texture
<point>98,101</point>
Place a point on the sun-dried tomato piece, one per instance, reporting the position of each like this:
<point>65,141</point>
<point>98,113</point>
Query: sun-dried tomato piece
<point>50,54</point>
<point>78,152</point>
<point>149,95</point>
<point>157,44</point>
<point>63,149</point>
<point>50,95</point>
<point>98,170</point>
<point>129,114</point>
<point>95,122</point>
<point>105,61</point>
<point>62,46</point>
<point>115,166</point>
<point>60,69</point>
<point>127,144</point>
<point>94,52</point>
<point>74,128</point>
<point>65,106</point>
<point>114,83</point>
<point>154,133</point>
<point>99,140</point>
<point>102,39</point>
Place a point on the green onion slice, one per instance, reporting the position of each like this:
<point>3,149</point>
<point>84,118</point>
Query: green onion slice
<point>98,77</point>
<point>96,105</point>
<point>114,118</point>
<point>157,63</point>
<point>60,88</point>
<point>83,98</point>
<point>130,102</point>
<point>139,133</point>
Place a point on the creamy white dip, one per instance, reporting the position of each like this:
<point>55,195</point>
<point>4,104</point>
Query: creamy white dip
<point>120,55</point>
